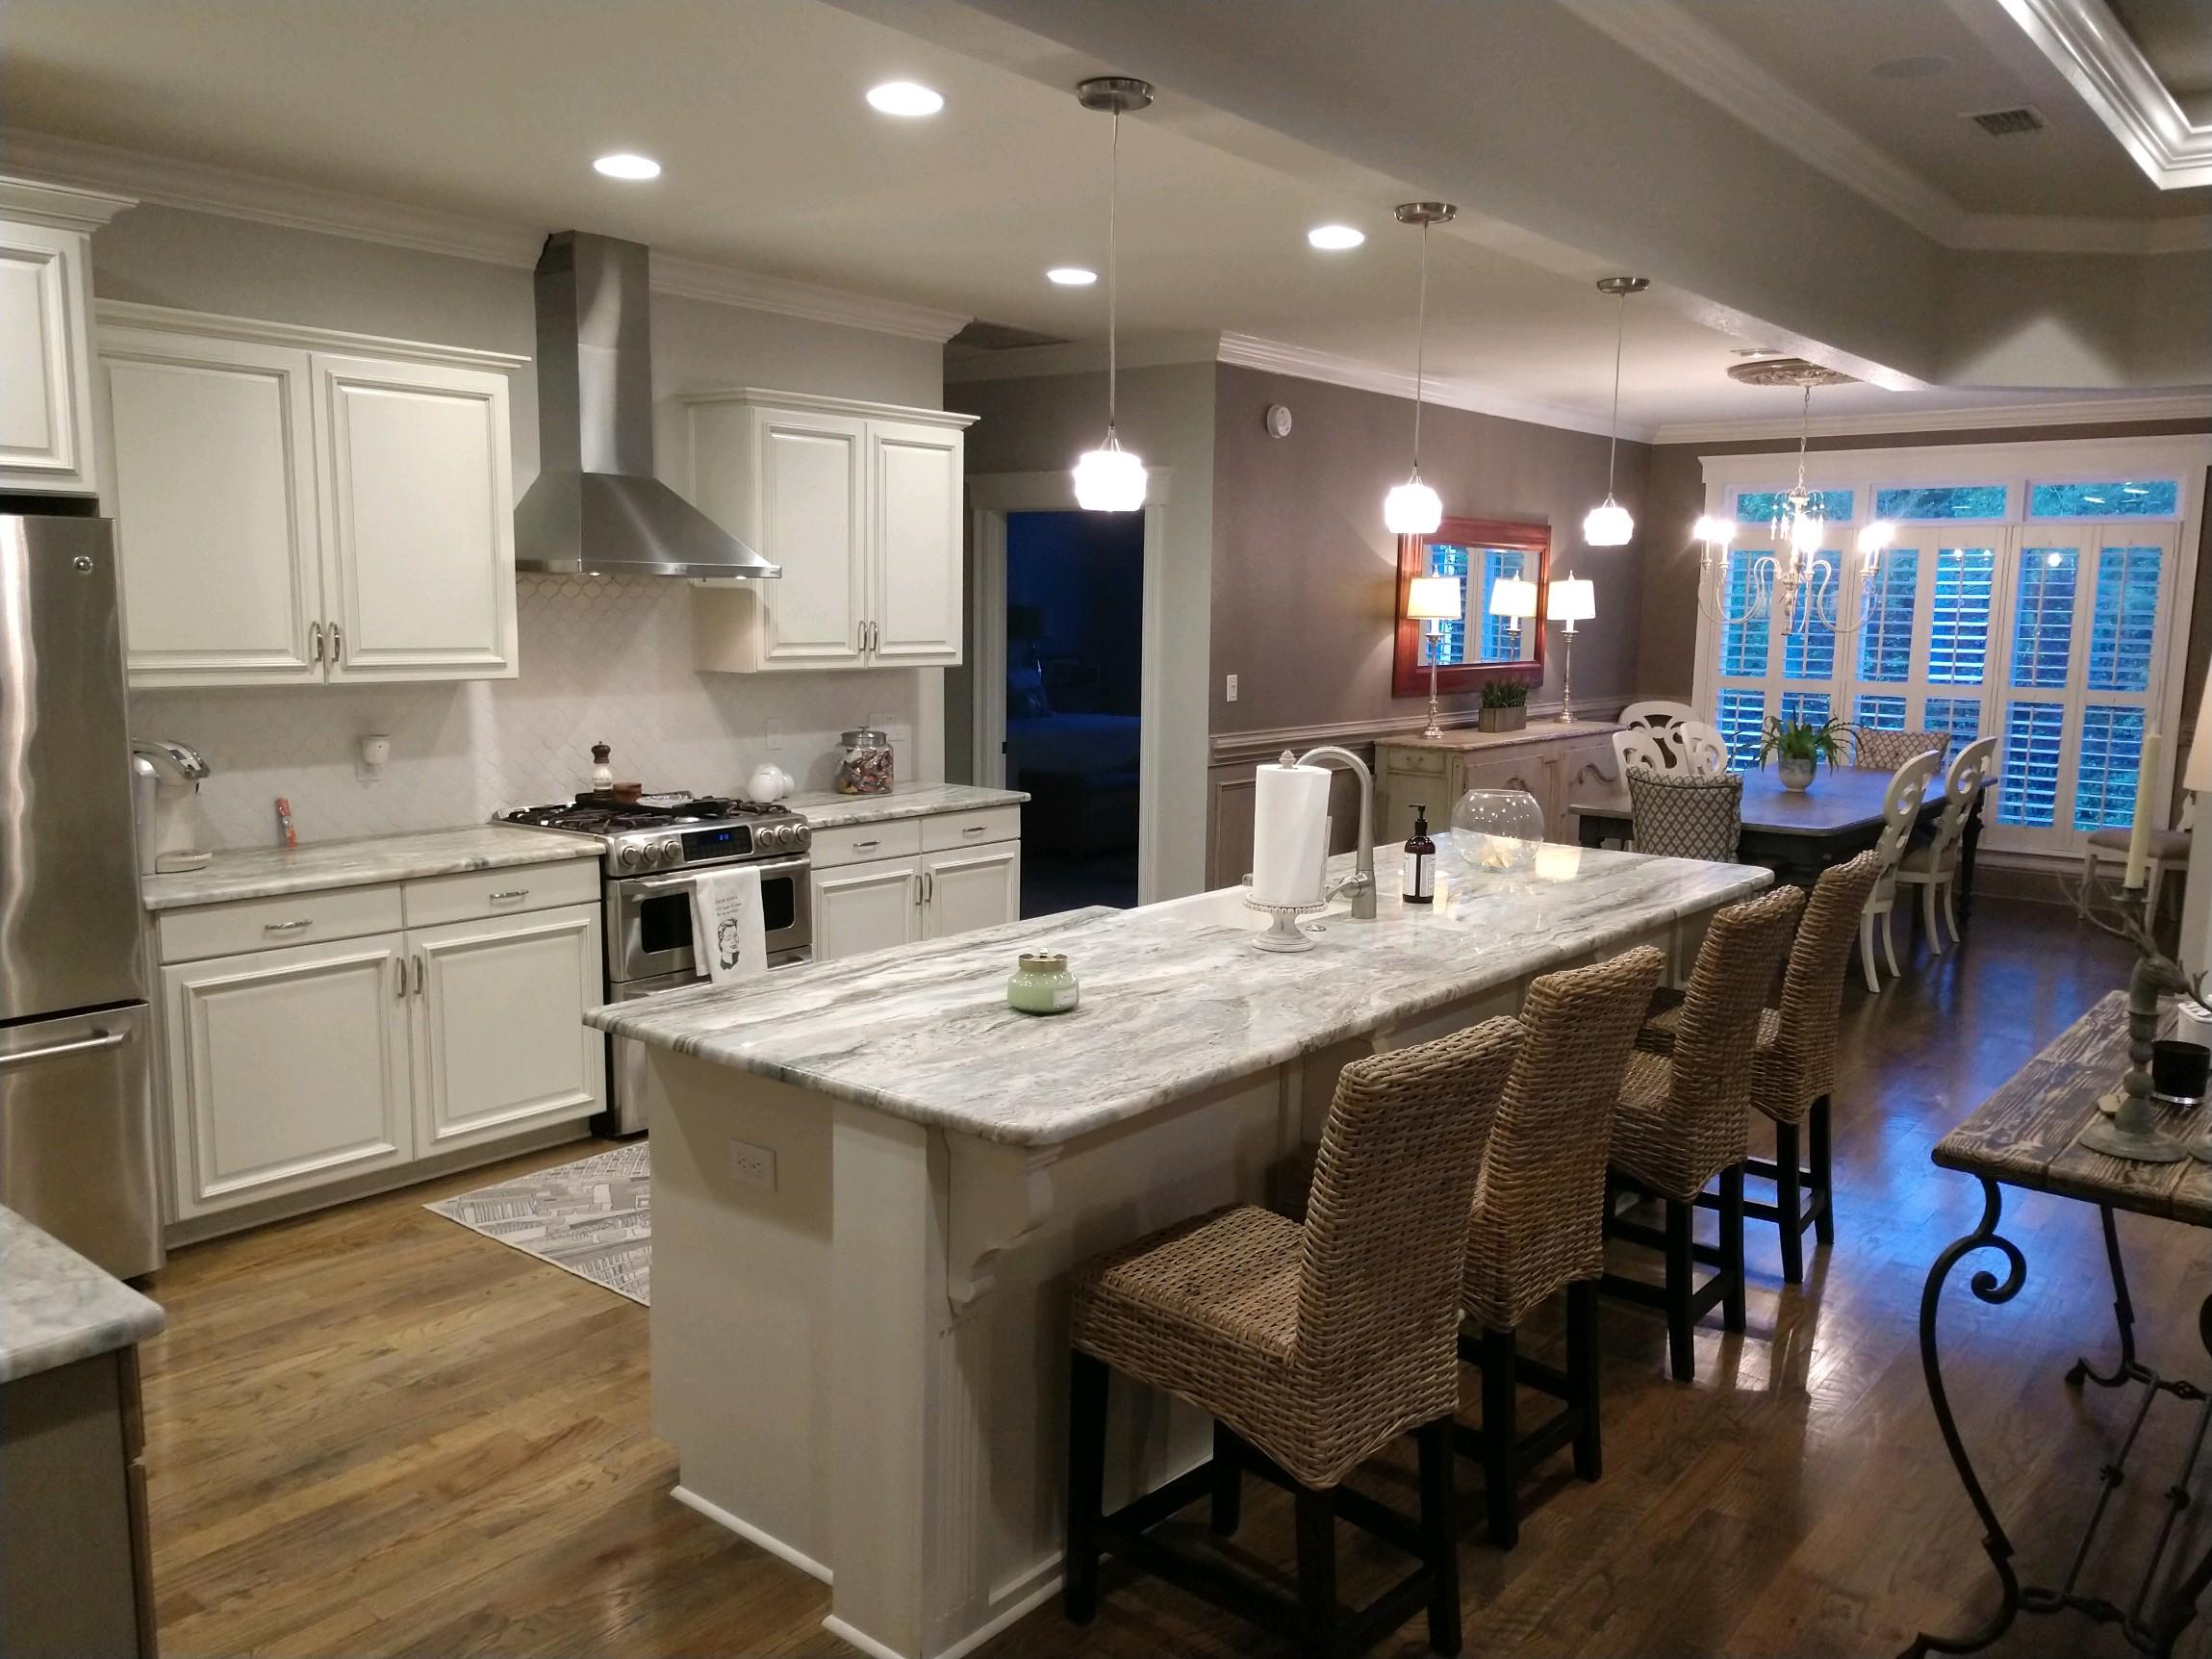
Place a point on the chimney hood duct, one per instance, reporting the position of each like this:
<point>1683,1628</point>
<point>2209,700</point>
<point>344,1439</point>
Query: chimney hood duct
<point>597,509</point>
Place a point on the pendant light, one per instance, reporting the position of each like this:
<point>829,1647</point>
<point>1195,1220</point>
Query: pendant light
<point>1413,509</point>
<point>1109,479</point>
<point>1608,524</point>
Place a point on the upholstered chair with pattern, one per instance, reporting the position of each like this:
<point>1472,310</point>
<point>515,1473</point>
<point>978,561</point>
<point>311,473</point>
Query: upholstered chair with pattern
<point>1680,816</point>
<point>1877,750</point>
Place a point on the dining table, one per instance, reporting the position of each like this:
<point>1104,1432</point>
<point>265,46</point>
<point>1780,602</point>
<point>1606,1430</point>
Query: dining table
<point>1796,832</point>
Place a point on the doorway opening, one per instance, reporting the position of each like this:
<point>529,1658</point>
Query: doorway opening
<point>1075,675</point>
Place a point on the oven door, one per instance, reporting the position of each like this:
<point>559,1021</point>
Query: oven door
<point>649,920</point>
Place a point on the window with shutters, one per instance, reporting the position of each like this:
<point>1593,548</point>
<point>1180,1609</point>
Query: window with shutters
<point>2040,608</point>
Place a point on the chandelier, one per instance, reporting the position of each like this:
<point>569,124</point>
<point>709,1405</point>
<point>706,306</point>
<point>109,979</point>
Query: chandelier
<point>1798,582</point>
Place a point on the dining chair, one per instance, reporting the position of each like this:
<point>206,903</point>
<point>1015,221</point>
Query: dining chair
<point>1794,1063</point>
<point>1900,812</point>
<point>1537,1226</point>
<point>1683,1120</point>
<point>1933,866</point>
<point>1312,1344</point>
<point>1701,750</point>
<point>1874,750</point>
<point>1677,816</point>
<point>1656,711</point>
<point>1639,746</point>
<point>2169,850</point>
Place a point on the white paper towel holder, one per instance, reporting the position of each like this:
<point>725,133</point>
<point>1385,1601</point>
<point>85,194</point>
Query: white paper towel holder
<point>1284,934</point>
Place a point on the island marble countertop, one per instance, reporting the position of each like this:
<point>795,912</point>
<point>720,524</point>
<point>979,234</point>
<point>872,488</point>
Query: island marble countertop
<point>263,871</point>
<point>1175,999</point>
<point>825,811</point>
<point>57,1308</point>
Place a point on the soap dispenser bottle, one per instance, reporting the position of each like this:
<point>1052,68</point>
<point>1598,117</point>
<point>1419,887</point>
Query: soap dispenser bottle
<point>1420,883</point>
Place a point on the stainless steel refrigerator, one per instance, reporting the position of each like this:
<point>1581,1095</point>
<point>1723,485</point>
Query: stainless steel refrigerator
<point>76,1115</point>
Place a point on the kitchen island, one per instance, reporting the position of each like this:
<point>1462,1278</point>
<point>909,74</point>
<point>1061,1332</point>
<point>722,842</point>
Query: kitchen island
<point>871,1178</point>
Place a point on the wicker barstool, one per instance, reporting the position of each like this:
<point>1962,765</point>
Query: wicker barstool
<point>1682,1119</point>
<point>1538,1221</point>
<point>1794,1066</point>
<point>1313,1346</point>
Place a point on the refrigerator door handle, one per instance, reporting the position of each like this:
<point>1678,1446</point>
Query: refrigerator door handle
<point>84,1045</point>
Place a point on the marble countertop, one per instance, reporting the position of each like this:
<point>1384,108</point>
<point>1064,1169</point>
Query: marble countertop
<point>1174,997</point>
<point>825,811</point>
<point>260,872</point>
<point>57,1308</point>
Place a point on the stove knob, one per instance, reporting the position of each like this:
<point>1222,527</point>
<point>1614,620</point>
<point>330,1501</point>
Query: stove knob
<point>671,850</point>
<point>800,835</point>
<point>773,837</point>
<point>631,857</point>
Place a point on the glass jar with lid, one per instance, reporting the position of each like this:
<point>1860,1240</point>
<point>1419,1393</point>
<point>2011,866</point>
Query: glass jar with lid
<point>864,762</point>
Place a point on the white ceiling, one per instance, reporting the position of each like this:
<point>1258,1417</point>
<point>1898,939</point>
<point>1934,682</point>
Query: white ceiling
<point>774,165</point>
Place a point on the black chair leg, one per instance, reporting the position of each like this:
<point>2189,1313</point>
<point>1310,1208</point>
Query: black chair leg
<point>1582,1375</point>
<point>1440,1531</point>
<point>1501,1439</point>
<point>1228,1481</point>
<point>1087,1485</point>
<point>1732,1310</point>
<point>1679,1279</point>
<point>1317,1573</point>
<point>1788,1203</point>
<point>1823,1174</point>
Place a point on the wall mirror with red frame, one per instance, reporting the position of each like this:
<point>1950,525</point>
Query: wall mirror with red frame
<point>1502,568</point>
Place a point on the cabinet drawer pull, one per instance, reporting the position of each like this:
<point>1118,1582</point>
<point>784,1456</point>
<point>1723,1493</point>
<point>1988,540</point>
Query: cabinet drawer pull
<point>865,846</point>
<point>419,974</point>
<point>288,926</point>
<point>399,977</point>
<point>315,642</point>
<point>975,828</point>
<point>55,1051</point>
<point>337,643</point>
<point>506,893</point>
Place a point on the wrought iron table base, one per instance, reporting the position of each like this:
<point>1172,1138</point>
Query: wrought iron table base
<point>2175,1612</point>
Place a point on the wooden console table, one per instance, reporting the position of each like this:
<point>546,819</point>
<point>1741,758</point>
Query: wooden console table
<point>1551,760</point>
<point>2025,1135</point>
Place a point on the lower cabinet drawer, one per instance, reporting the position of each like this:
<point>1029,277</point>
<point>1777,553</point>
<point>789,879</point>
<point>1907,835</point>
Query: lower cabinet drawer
<point>470,897</point>
<point>863,843</point>
<point>950,829</point>
<point>268,923</point>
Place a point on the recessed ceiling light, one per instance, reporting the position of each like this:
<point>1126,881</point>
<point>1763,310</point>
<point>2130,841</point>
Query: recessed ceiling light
<point>905,98</point>
<point>1072,275</point>
<point>1335,237</point>
<point>622,164</point>
<point>1913,68</point>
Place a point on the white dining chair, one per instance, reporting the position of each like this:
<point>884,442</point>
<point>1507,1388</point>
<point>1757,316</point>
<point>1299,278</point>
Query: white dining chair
<point>1900,811</point>
<point>1699,749</point>
<point>1933,866</point>
<point>2169,851</point>
<point>1656,711</point>
<point>1639,745</point>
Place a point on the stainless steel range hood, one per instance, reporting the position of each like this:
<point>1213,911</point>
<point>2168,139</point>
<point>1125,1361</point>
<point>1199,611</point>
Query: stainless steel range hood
<point>597,508</point>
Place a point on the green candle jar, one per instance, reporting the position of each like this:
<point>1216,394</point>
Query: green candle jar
<point>1042,984</point>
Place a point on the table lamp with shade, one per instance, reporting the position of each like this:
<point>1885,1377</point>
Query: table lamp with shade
<point>1513,597</point>
<point>1431,601</point>
<point>1569,600</point>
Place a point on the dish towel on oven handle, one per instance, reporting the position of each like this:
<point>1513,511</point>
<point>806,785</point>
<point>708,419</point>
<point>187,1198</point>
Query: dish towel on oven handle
<point>730,940</point>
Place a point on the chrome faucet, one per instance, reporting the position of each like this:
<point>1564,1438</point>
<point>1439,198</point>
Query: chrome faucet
<point>1361,883</point>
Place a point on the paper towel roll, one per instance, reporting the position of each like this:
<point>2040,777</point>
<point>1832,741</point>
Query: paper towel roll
<point>1289,834</point>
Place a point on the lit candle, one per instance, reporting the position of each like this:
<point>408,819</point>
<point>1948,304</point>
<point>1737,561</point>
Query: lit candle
<point>2146,780</point>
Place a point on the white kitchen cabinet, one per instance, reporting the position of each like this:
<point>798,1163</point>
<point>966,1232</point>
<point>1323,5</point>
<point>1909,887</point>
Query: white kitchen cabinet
<point>47,430</point>
<point>975,888</point>
<point>860,505</point>
<point>498,1043</point>
<point>864,907</point>
<point>298,507</point>
<point>287,1069</point>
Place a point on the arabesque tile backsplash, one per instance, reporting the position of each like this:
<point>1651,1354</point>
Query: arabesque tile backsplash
<point>604,660</point>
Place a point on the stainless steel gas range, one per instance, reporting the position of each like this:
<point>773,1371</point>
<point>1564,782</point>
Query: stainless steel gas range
<point>650,848</point>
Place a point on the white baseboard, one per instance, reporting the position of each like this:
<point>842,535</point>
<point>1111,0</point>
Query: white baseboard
<point>752,1534</point>
<point>1038,1594</point>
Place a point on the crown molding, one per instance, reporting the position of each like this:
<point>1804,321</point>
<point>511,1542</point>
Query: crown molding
<point>80,210</point>
<point>200,187</point>
<point>168,319</point>
<point>1247,351</point>
<point>2074,412</point>
<point>1080,357</point>
<point>1679,47</point>
<point>2102,61</point>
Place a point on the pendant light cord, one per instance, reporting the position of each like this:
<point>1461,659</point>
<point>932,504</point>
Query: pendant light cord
<point>1113,281</point>
<point>1804,432</point>
<point>1620,337</point>
<point>1420,346</point>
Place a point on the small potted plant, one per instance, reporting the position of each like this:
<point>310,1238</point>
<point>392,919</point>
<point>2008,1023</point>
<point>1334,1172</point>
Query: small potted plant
<point>1504,705</point>
<point>1798,748</point>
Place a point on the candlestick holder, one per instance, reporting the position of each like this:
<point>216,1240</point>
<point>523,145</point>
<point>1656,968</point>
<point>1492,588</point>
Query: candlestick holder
<point>2132,1131</point>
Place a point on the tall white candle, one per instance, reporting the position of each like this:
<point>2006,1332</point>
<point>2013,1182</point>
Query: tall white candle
<point>2146,781</point>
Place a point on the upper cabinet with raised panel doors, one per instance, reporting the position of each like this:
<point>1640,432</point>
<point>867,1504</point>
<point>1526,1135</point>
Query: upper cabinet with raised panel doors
<point>858,502</point>
<point>299,506</point>
<point>47,431</point>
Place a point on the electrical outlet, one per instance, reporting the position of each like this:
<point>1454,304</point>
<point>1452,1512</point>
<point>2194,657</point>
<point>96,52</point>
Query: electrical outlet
<point>774,736</point>
<point>1230,688</point>
<point>752,1165</point>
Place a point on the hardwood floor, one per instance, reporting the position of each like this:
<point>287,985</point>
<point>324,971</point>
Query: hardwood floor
<point>374,1432</point>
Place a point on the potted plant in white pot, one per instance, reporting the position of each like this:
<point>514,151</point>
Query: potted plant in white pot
<point>1798,747</point>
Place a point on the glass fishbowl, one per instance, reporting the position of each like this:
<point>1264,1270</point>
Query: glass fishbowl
<point>1497,832</point>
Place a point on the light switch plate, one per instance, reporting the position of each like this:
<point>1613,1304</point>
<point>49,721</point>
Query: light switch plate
<point>752,1165</point>
<point>1230,688</point>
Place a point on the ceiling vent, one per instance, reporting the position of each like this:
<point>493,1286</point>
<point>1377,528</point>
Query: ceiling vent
<point>982,336</point>
<point>2009,123</point>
